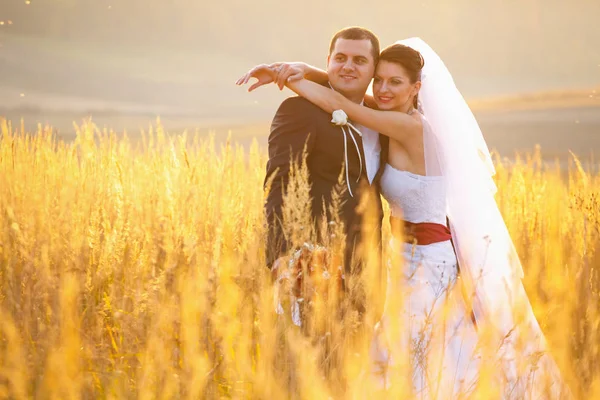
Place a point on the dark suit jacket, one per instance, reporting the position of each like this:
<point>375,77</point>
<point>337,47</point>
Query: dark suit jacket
<point>299,123</point>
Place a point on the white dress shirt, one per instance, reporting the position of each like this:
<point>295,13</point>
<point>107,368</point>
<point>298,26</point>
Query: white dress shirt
<point>372,149</point>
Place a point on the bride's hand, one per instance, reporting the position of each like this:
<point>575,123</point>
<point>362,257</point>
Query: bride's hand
<point>263,73</point>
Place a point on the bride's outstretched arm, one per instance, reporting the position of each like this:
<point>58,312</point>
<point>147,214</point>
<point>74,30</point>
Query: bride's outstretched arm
<point>290,72</point>
<point>282,72</point>
<point>397,125</point>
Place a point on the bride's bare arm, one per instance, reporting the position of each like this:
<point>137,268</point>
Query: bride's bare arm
<point>289,72</point>
<point>282,72</point>
<point>397,125</point>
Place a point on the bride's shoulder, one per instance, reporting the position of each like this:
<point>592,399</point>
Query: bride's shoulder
<point>418,116</point>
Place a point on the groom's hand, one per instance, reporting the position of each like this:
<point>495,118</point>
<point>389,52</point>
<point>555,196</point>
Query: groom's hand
<point>263,73</point>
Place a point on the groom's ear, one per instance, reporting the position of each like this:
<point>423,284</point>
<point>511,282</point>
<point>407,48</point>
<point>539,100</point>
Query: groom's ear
<point>328,57</point>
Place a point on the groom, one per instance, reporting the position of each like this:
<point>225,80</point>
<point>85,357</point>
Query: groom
<point>298,124</point>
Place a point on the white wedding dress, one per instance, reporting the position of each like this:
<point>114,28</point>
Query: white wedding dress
<point>427,329</point>
<point>438,338</point>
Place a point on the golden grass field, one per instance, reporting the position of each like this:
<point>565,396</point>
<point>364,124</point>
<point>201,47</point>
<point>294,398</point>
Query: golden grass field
<point>138,272</point>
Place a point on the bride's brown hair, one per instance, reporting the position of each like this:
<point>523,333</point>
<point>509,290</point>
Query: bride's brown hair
<point>410,59</point>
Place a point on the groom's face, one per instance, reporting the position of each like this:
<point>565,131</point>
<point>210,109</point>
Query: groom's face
<point>350,67</point>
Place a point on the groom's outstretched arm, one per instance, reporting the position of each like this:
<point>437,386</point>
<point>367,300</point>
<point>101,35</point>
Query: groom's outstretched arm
<point>291,130</point>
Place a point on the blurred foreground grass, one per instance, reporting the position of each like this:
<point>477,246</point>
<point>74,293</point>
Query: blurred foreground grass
<point>139,273</point>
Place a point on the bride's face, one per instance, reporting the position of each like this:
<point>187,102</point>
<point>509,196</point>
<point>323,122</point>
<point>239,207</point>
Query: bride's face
<point>350,67</point>
<point>392,88</point>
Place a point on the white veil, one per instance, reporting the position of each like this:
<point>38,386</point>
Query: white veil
<point>454,145</point>
<point>455,148</point>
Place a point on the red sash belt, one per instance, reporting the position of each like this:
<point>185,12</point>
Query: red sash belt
<point>423,233</point>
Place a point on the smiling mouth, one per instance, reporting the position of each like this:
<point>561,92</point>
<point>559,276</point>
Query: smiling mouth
<point>347,77</point>
<point>384,99</point>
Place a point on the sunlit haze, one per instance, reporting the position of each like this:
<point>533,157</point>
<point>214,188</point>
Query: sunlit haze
<point>183,56</point>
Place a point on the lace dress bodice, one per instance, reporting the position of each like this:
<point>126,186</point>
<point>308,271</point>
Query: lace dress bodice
<point>414,198</point>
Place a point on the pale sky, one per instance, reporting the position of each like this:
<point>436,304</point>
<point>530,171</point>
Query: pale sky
<point>184,55</point>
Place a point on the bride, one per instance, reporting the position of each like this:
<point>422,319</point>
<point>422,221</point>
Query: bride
<point>438,182</point>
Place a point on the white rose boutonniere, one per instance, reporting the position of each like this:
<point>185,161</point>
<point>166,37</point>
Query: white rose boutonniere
<point>339,118</point>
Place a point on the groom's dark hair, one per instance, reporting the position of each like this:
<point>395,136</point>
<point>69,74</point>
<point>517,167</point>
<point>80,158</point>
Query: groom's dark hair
<point>357,33</point>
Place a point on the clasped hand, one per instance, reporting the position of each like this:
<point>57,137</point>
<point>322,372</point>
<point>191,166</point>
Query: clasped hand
<point>279,73</point>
